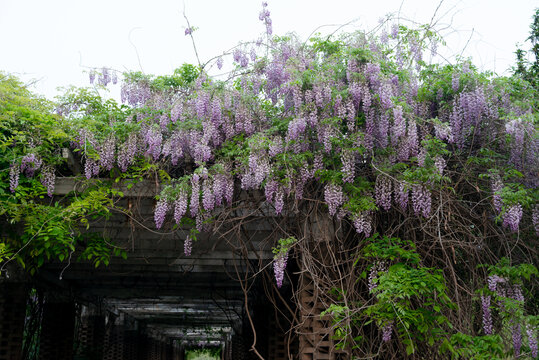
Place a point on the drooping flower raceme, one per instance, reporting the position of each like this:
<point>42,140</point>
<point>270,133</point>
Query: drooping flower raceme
<point>30,163</point>
<point>532,340</point>
<point>91,168</point>
<point>92,76</point>
<point>348,166</point>
<point>387,331</point>
<point>161,209</point>
<point>535,219</point>
<point>188,245</point>
<point>48,179</point>
<point>377,267</point>
<point>127,152</point>
<point>334,197</point>
<point>512,217</point>
<point>279,265</point>
<point>208,200</point>
<point>195,195</point>
<point>487,315</point>
<point>516,334</point>
<point>107,153</point>
<point>279,201</point>
<point>383,192</point>
<point>440,164</point>
<point>401,194</point>
<point>14,174</point>
<point>455,81</point>
<point>153,138</point>
<point>180,206</point>
<point>362,223</point>
<point>421,200</point>
<point>497,186</point>
<point>265,18</point>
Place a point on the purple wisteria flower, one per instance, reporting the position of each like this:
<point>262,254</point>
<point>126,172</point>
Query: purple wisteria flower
<point>161,209</point>
<point>532,340</point>
<point>91,168</point>
<point>188,245</point>
<point>264,16</point>
<point>512,217</point>
<point>487,315</point>
<point>387,331</point>
<point>208,199</point>
<point>279,266</point>
<point>401,194</point>
<point>376,267</point>
<point>421,200</point>
<point>363,223</point>
<point>535,219</point>
<point>48,179</point>
<point>153,138</point>
<point>107,153</point>
<point>180,206</point>
<point>455,83</point>
<point>440,164</point>
<point>279,202</point>
<point>334,197</point>
<point>383,192</point>
<point>516,335</point>
<point>30,163</point>
<point>496,187</point>
<point>14,174</point>
<point>195,195</point>
<point>348,160</point>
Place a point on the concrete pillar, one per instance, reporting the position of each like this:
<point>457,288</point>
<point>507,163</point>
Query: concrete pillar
<point>13,298</point>
<point>91,334</point>
<point>57,328</point>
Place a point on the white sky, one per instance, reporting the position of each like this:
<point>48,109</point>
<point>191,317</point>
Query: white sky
<point>55,41</point>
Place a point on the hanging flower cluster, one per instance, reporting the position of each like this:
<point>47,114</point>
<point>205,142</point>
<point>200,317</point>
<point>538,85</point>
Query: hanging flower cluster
<point>377,268</point>
<point>503,290</point>
<point>278,267</point>
<point>304,115</point>
<point>280,258</point>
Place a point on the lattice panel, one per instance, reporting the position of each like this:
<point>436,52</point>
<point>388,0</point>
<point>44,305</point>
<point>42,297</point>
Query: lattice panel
<point>57,331</point>
<point>12,314</point>
<point>316,341</point>
<point>131,344</point>
<point>114,343</point>
<point>91,335</point>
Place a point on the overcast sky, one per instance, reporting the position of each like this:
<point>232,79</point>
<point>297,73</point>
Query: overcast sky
<point>55,41</point>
